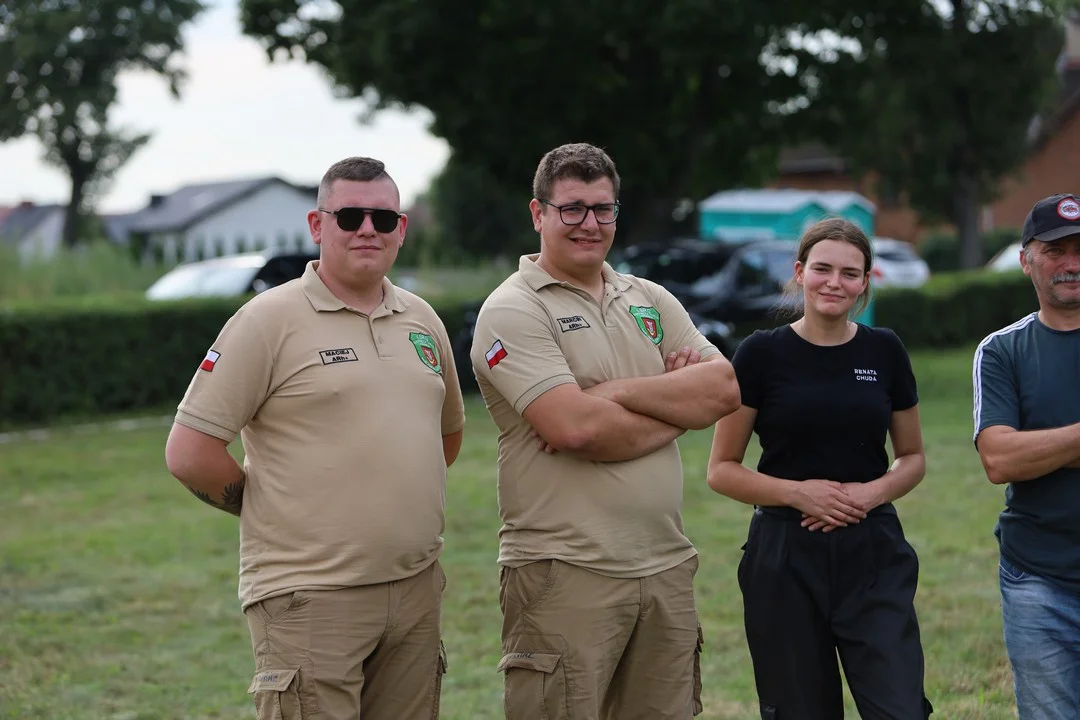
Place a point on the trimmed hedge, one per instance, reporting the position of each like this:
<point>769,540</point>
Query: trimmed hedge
<point>106,356</point>
<point>952,309</point>
<point>122,355</point>
<point>955,308</point>
<point>941,251</point>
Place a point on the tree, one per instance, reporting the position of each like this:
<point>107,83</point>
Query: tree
<point>677,92</point>
<point>478,216</point>
<point>62,59</point>
<point>943,96</point>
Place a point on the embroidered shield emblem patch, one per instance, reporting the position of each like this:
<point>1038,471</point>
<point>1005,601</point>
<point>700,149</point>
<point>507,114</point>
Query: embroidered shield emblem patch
<point>648,321</point>
<point>426,350</point>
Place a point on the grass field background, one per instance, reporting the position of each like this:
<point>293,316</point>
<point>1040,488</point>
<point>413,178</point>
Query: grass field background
<point>118,589</point>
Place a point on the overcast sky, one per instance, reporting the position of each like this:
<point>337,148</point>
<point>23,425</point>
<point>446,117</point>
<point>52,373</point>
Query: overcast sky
<point>238,117</point>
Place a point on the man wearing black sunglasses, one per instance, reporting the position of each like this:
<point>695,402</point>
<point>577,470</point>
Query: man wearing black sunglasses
<point>344,391</point>
<point>359,230</point>
<point>590,376</point>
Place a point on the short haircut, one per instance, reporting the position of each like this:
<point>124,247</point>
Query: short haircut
<point>579,161</point>
<point>358,169</point>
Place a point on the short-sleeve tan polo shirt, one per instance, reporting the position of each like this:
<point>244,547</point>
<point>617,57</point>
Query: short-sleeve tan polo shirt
<point>342,416</point>
<point>533,333</point>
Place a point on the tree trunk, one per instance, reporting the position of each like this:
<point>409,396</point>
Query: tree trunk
<point>965,196</point>
<point>72,214</point>
<point>966,215</point>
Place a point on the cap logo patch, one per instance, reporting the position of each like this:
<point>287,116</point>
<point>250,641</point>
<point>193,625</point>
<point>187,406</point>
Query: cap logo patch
<point>1069,209</point>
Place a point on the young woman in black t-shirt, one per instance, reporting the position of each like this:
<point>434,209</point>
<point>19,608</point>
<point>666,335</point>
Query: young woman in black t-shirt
<point>826,569</point>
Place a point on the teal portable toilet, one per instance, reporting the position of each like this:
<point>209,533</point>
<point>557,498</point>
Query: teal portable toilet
<point>851,206</point>
<point>738,216</point>
<point>866,317</point>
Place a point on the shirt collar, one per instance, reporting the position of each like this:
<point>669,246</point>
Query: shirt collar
<point>537,278</point>
<point>323,300</point>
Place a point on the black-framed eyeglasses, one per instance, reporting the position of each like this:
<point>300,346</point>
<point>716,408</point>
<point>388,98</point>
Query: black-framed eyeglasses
<point>350,219</point>
<point>575,213</point>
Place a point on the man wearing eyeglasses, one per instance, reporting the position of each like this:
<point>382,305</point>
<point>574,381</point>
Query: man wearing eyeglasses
<point>591,376</point>
<point>344,392</point>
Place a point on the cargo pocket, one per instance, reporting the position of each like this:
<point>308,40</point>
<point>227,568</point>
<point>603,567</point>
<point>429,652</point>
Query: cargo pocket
<point>535,686</point>
<point>440,670</point>
<point>768,712</point>
<point>277,694</point>
<point>698,707</point>
<point>927,707</point>
<point>529,584</point>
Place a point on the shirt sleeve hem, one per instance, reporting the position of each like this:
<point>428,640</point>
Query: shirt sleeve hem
<point>456,426</point>
<point>205,426</point>
<point>527,397</point>
<point>989,424</point>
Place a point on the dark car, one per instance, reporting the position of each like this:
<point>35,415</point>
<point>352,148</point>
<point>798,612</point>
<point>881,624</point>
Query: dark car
<point>676,265</point>
<point>230,276</point>
<point>750,287</point>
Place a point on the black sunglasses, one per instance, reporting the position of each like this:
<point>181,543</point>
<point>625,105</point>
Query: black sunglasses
<point>350,219</point>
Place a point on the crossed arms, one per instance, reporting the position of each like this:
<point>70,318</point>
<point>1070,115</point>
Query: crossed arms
<point>1010,455</point>
<point>628,418</point>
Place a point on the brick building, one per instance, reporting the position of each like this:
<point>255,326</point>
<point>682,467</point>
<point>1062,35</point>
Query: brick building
<point>1052,166</point>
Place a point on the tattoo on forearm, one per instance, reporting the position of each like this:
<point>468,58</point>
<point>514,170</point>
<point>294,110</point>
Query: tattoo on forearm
<point>232,498</point>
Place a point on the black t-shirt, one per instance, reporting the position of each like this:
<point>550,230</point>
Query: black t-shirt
<point>823,412</point>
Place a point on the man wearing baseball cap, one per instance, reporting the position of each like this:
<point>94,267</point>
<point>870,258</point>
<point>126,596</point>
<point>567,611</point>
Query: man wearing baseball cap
<point>1027,432</point>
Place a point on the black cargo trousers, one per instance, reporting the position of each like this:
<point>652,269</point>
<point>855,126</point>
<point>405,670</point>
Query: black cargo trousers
<point>811,596</point>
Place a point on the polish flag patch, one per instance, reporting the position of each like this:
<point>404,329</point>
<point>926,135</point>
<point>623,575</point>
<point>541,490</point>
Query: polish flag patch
<point>209,361</point>
<point>495,354</point>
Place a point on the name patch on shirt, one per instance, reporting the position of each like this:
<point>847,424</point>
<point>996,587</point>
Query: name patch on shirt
<point>866,375</point>
<point>329,357</point>
<point>574,322</point>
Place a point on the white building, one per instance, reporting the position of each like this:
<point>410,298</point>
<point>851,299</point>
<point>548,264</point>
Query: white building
<point>36,231</point>
<point>209,220</point>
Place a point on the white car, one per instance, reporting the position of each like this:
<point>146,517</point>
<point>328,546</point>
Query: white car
<point>230,276</point>
<point>1006,260</point>
<point>896,264</point>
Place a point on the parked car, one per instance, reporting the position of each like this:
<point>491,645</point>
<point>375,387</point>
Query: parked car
<point>675,266</point>
<point>1007,259</point>
<point>749,287</point>
<point>896,264</point>
<point>230,276</point>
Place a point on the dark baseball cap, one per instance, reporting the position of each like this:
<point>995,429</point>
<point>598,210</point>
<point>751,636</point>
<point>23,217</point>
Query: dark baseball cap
<point>1052,218</point>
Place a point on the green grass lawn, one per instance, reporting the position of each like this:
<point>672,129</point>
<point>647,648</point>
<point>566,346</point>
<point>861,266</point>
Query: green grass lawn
<point>118,589</point>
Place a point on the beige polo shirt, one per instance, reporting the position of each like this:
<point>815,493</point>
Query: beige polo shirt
<point>620,519</point>
<point>342,417</point>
